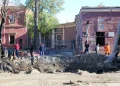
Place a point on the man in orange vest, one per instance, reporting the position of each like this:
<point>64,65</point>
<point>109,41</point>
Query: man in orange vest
<point>107,49</point>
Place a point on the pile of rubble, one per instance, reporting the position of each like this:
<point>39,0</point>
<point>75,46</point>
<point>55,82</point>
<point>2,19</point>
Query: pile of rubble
<point>60,63</point>
<point>50,64</point>
<point>90,62</point>
<point>64,63</point>
<point>15,66</point>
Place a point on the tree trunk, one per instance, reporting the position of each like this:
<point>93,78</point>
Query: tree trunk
<point>39,38</point>
<point>1,25</point>
<point>36,25</point>
<point>3,15</point>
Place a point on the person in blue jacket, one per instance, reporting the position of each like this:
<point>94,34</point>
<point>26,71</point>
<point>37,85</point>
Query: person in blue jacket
<point>41,49</point>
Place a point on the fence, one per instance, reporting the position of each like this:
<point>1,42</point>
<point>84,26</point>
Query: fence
<point>61,45</point>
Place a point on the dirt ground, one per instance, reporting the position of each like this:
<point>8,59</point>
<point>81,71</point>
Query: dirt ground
<point>60,79</point>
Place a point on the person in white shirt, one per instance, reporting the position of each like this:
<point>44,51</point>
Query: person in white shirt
<point>97,48</point>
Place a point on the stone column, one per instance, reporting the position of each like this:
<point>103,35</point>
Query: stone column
<point>63,35</point>
<point>53,39</point>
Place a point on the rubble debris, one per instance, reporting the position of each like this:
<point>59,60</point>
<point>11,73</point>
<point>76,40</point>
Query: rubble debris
<point>64,63</point>
<point>16,66</point>
<point>69,83</point>
<point>49,65</point>
<point>60,63</point>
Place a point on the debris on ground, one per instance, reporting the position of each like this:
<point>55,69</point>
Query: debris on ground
<point>15,66</point>
<point>91,62</point>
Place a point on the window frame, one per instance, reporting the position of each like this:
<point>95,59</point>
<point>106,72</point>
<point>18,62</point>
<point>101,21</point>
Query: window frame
<point>100,23</point>
<point>57,37</point>
<point>84,34</point>
<point>13,19</point>
<point>10,39</point>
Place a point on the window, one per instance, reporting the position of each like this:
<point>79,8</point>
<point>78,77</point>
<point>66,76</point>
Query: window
<point>20,41</point>
<point>84,34</point>
<point>11,18</point>
<point>58,30</point>
<point>87,22</point>
<point>58,37</point>
<point>100,23</point>
<point>12,39</point>
<point>76,32</point>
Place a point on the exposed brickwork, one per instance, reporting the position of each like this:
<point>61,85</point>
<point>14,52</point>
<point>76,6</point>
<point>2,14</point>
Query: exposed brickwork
<point>111,20</point>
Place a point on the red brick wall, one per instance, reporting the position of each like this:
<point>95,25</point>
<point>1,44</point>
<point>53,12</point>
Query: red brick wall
<point>18,28</point>
<point>20,33</point>
<point>70,33</point>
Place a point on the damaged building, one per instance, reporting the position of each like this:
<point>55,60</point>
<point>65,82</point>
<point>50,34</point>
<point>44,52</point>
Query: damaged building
<point>98,25</point>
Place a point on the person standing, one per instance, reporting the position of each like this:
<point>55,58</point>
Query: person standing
<point>97,48</point>
<point>107,49</point>
<point>41,49</point>
<point>17,48</point>
<point>86,47</point>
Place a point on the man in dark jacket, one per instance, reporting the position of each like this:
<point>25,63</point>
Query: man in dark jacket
<point>86,47</point>
<point>41,49</point>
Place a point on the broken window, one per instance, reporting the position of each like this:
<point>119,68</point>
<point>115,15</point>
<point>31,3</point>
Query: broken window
<point>100,23</point>
<point>11,18</point>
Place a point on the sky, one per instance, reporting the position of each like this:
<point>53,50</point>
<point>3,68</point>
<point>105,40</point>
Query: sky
<point>72,8</point>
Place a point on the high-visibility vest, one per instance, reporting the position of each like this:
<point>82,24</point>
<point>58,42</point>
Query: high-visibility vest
<point>107,49</point>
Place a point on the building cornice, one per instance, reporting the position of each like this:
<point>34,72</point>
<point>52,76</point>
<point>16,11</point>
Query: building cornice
<point>14,26</point>
<point>100,9</point>
<point>66,25</point>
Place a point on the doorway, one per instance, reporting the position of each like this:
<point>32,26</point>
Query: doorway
<point>20,42</point>
<point>100,38</point>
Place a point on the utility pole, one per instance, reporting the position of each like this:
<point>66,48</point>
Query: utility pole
<point>36,25</point>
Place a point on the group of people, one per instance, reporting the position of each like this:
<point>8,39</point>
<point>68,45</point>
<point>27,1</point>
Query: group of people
<point>15,52</point>
<point>97,48</point>
<point>41,51</point>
